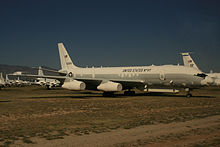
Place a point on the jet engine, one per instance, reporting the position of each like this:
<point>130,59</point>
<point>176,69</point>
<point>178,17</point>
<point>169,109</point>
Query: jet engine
<point>74,85</point>
<point>110,87</point>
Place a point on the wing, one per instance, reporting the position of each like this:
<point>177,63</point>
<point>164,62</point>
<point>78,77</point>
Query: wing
<point>130,84</point>
<point>92,83</point>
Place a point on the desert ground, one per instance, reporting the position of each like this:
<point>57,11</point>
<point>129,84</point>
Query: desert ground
<point>34,116</point>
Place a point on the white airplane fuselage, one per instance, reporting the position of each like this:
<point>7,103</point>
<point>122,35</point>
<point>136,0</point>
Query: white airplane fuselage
<point>151,76</point>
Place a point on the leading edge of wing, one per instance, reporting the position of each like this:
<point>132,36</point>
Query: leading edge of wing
<point>113,80</point>
<point>125,83</point>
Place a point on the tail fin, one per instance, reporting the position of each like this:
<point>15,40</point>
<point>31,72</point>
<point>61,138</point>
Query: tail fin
<point>188,61</point>
<point>65,60</point>
<point>40,71</point>
<point>1,76</point>
<point>6,77</point>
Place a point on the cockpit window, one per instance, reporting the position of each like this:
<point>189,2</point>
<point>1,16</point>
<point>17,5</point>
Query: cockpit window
<point>202,75</point>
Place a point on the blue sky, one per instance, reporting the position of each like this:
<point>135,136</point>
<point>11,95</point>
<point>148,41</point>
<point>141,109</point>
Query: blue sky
<point>110,33</point>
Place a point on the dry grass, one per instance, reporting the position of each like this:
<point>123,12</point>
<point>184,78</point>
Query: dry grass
<point>33,111</point>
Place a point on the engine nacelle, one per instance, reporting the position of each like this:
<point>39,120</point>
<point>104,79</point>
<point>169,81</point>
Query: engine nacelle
<point>217,82</point>
<point>110,87</point>
<point>74,85</point>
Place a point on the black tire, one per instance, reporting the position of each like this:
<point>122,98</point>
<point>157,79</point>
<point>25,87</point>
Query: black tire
<point>129,93</point>
<point>108,94</point>
<point>189,95</point>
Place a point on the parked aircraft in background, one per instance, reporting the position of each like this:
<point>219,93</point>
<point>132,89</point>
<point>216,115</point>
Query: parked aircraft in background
<point>18,82</point>
<point>2,81</point>
<point>214,75</point>
<point>9,82</point>
<point>188,62</point>
<point>49,83</point>
<point>15,82</point>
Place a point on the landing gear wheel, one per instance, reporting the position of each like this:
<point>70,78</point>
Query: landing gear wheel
<point>189,95</point>
<point>129,93</point>
<point>48,87</point>
<point>108,94</point>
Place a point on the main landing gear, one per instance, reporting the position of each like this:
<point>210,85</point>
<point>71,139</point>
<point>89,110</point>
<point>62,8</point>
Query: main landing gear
<point>129,92</point>
<point>48,87</point>
<point>111,94</point>
<point>188,95</point>
<point>108,94</point>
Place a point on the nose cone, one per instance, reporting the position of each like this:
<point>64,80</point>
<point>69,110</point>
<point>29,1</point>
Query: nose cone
<point>207,81</point>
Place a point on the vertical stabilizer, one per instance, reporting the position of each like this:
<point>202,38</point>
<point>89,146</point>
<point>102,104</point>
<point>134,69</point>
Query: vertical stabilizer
<point>40,71</point>
<point>6,78</point>
<point>188,61</point>
<point>1,77</point>
<point>65,60</point>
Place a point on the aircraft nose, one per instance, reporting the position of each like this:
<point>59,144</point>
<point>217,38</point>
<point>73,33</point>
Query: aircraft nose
<point>207,81</point>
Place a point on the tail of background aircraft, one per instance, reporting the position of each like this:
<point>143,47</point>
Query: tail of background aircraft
<point>1,76</point>
<point>6,78</point>
<point>65,60</point>
<point>188,61</point>
<point>40,71</point>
